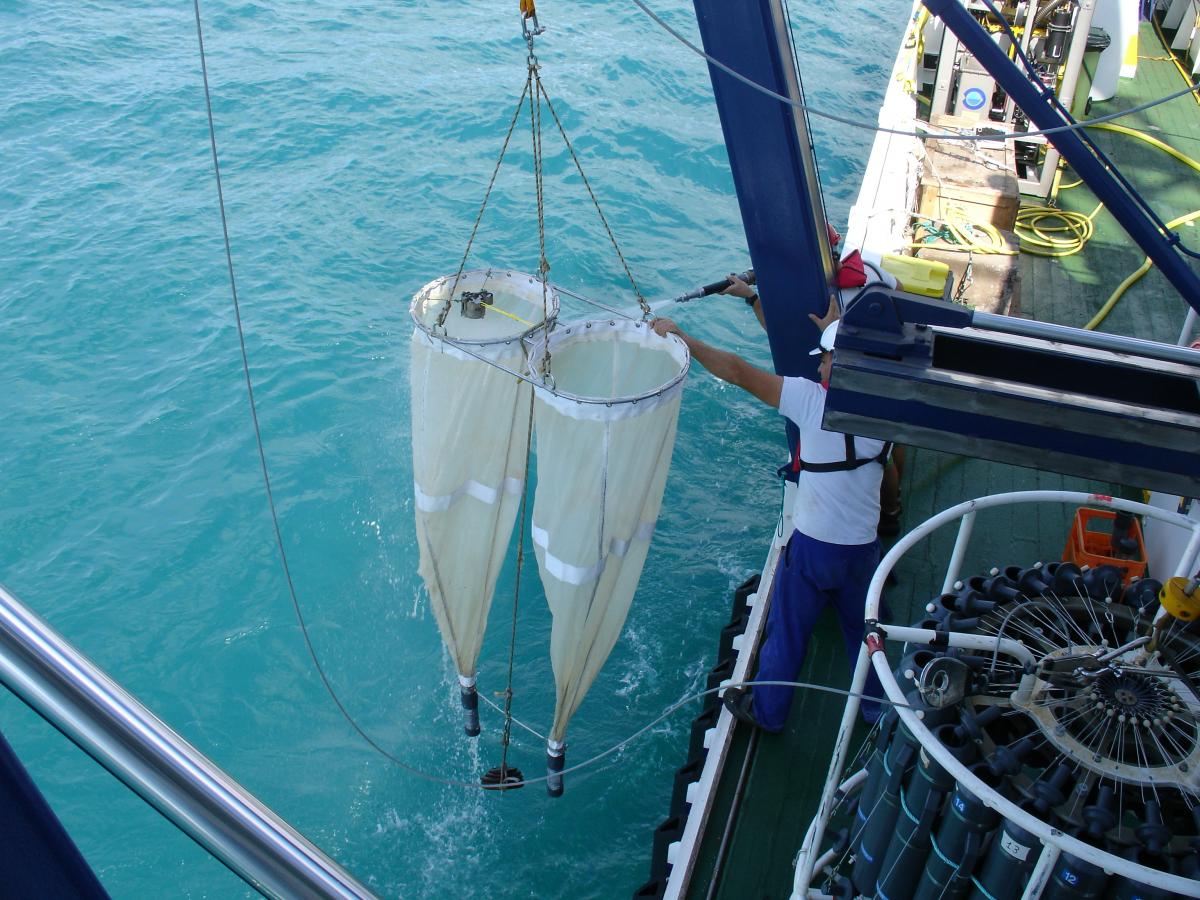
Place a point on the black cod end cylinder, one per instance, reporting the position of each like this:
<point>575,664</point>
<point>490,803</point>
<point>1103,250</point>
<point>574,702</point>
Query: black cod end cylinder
<point>1123,888</point>
<point>869,794</point>
<point>556,760</point>
<point>470,704</point>
<point>879,819</point>
<point>1075,879</point>
<point>906,673</point>
<point>1010,859</point>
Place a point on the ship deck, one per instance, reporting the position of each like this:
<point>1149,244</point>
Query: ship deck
<point>749,847</point>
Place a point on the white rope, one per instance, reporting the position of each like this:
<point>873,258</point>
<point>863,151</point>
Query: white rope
<point>500,709</point>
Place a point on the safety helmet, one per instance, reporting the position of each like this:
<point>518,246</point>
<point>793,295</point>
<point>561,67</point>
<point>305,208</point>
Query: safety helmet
<point>827,336</point>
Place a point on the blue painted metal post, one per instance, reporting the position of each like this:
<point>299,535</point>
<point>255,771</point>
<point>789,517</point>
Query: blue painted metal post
<point>1094,173</point>
<point>774,172</point>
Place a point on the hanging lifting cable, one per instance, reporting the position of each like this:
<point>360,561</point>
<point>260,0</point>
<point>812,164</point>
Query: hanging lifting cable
<point>870,126</point>
<point>533,85</point>
<point>502,777</point>
<point>538,92</point>
<point>345,713</point>
<point>645,307</point>
<point>262,455</point>
<point>669,711</point>
<point>441,319</point>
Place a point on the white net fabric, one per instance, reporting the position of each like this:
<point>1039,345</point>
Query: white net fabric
<point>470,426</point>
<point>602,467</point>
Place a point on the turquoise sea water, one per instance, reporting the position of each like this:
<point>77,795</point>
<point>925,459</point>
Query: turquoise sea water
<point>355,143</point>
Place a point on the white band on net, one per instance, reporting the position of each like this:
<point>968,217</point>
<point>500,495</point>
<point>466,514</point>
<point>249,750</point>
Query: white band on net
<point>572,574</point>
<point>481,492</point>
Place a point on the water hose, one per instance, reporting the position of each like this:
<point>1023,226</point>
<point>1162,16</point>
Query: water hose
<point>1133,277</point>
<point>1043,239</point>
<point>1152,141</point>
<point>958,233</point>
<point>1046,240</point>
<point>914,40</point>
<point>1174,223</point>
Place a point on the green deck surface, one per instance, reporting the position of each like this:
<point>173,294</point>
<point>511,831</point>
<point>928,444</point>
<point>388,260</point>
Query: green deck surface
<point>787,771</point>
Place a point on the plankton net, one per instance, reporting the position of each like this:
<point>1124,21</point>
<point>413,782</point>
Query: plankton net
<point>607,403</point>
<point>605,427</point>
<point>470,437</point>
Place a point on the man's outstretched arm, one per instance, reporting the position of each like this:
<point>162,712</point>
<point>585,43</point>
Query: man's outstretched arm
<point>764,385</point>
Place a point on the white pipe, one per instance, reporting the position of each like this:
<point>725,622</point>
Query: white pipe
<point>902,546</point>
<point>1186,567</point>
<point>966,640</point>
<point>806,858</point>
<point>1189,328</point>
<point>965,527</point>
<point>1009,810</point>
<point>1041,872</point>
<point>932,746</point>
<point>1187,561</point>
<point>846,789</point>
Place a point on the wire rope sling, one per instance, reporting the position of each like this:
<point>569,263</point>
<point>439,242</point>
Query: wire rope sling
<point>491,367</point>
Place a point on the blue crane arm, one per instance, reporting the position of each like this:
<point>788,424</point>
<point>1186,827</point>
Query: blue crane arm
<point>774,172</point>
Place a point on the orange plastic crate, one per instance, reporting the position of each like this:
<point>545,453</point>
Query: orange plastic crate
<point>1089,545</point>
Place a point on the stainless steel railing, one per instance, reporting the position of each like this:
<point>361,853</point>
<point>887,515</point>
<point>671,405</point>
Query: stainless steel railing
<point>69,691</point>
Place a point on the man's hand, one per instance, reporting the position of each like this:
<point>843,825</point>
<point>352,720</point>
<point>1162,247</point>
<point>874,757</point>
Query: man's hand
<point>738,288</point>
<point>831,315</point>
<point>663,326</point>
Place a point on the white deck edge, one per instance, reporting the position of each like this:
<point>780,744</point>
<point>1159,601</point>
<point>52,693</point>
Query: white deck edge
<point>879,217</point>
<point>682,855</point>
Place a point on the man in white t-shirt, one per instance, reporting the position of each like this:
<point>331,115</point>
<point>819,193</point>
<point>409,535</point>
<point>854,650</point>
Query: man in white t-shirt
<point>834,550</point>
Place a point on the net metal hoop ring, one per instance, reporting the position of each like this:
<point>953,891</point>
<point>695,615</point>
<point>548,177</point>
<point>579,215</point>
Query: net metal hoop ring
<point>563,336</point>
<point>526,286</point>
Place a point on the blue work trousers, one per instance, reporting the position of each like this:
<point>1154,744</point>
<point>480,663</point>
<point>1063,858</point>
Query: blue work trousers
<point>812,574</point>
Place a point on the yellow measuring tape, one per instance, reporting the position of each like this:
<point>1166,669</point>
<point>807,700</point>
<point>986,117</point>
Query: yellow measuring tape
<point>512,316</point>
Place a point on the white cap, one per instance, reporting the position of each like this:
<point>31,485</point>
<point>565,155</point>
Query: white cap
<point>827,336</point>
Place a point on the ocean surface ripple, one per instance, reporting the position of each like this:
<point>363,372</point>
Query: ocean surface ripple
<point>355,143</point>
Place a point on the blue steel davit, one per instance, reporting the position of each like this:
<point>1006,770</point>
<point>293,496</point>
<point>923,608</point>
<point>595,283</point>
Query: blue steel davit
<point>774,172</point>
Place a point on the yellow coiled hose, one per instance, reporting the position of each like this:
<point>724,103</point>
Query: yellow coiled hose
<point>1174,223</point>
<point>1051,232</point>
